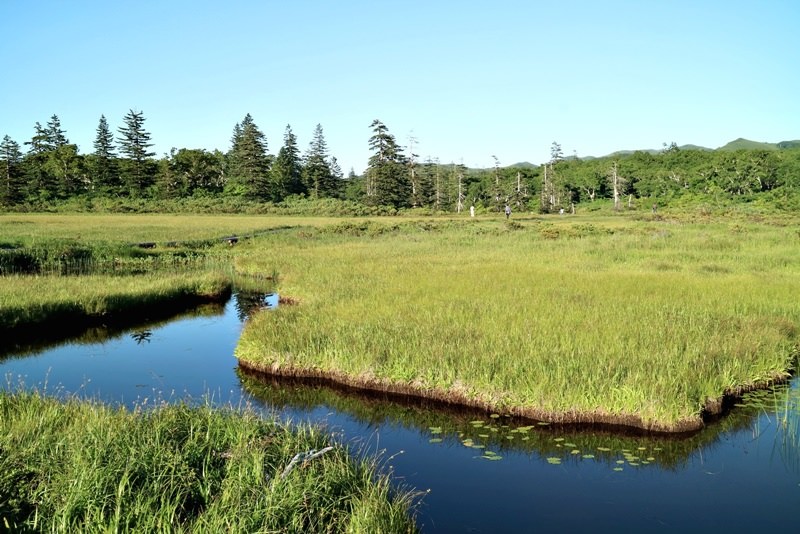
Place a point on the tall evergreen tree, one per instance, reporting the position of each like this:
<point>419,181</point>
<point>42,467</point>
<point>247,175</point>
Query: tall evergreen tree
<point>40,184</point>
<point>138,169</point>
<point>105,172</point>
<point>249,161</point>
<point>286,172</point>
<point>11,176</point>
<point>56,137</point>
<point>317,173</point>
<point>387,179</point>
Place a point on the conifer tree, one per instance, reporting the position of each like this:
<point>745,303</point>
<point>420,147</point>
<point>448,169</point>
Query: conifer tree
<point>387,179</point>
<point>105,172</point>
<point>249,161</point>
<point>56,137</point>
<point>11,176</point>
<point>317,173</point>
<point>137,169</point>
<point>286,171</point>
<point>61,161</point>
<point>39,183</point>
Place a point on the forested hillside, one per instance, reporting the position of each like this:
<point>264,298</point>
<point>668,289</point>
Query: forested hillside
<point>47,170</point>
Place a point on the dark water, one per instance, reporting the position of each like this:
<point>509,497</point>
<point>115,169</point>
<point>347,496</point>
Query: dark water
<point>483,473</point>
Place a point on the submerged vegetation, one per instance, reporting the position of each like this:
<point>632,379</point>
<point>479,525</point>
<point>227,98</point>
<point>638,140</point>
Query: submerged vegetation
<point>80,467</point>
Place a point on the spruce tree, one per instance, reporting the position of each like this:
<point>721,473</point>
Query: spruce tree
<point>387,180</point>
<point>105,172</point>
<point>317,173</point>
<point>286,172</point>
<point>55,136</point>
<point>138,169</point>
<point>248,160</point>
<point>11,176</point>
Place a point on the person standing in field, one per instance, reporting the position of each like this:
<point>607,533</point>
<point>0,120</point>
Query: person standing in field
<point>472,211</point>
<point>508,211</point>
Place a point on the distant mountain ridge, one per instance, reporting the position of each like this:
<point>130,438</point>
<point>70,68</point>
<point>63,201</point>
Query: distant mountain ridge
<point>737,144</point>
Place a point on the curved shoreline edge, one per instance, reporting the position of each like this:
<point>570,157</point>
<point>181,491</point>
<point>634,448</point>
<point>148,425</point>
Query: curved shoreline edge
<point>713,408</point>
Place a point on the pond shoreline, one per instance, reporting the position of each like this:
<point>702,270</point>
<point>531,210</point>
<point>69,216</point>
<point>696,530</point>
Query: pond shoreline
<point>712,410</point>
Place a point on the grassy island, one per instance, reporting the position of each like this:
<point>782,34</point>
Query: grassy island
<point>644,322</point>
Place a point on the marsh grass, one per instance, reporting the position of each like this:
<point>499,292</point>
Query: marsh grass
<point>645,323</point>
<point>31,301</point>
<point>84,467</point>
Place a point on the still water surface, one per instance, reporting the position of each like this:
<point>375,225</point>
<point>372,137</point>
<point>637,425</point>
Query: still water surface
<point>481,473</point>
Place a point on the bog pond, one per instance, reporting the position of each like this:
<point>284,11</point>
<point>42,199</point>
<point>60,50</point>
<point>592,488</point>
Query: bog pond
<point>479,472</point>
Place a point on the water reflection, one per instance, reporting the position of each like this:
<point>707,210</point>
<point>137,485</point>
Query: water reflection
<point>33,341</point>
<point>249,302</point>
<point>142,336</point>
<point>481,432</point>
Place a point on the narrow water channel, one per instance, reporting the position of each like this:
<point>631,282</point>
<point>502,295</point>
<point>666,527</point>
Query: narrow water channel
<point>481,473</point>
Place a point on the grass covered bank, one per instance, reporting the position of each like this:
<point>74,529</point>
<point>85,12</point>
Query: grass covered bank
<point>644,322</point>
<point>30,303</point>
<point>85,467</point>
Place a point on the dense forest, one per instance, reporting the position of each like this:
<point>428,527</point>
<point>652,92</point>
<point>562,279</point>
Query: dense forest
<point>48,169</point>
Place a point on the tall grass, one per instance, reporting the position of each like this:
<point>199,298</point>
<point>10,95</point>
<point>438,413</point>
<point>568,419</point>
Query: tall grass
<point>637,322</point>
<point>85,467</point>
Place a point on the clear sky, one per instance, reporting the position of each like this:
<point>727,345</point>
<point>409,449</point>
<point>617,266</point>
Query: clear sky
<point>467,79</point>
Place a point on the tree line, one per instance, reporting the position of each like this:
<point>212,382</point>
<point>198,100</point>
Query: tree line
<point>48,168</point>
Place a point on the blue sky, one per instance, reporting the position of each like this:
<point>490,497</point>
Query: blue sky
<point>467,79</point>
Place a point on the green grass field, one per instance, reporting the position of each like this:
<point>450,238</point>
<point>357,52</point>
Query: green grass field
<point>638,322</point>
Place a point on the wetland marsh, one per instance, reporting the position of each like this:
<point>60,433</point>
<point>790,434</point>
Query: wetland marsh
<point>522,328</point>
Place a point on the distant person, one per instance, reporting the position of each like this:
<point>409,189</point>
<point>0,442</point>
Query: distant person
<point>561,211</point>
<point>472,211</point>
<point>655,208</point>
<point>508,211</point>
